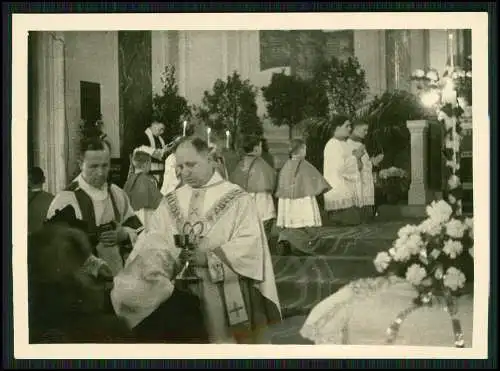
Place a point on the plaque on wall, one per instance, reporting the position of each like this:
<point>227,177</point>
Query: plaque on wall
<point>274,49</point>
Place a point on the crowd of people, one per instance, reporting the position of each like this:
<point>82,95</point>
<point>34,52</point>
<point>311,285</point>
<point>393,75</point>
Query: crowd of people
<point>181,253</point>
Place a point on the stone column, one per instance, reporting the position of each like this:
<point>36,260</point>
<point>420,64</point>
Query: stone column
<point>417,194</point>
<point>49,107</point>
<point>183,62</point>
<point>159,58</point>
<point>135,90</point>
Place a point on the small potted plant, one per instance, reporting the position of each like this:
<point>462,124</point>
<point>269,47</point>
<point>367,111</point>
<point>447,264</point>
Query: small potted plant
<point>393,183</point>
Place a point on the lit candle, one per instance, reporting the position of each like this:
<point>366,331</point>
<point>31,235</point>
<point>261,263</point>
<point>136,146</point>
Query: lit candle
<point>450,37</point>
<point>209,129</point>
<point>227,138</point>
<point>184,125</point>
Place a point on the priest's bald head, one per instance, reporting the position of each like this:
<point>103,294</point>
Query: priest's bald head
<point>194,161</point>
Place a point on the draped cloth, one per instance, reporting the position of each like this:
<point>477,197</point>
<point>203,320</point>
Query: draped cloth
<point>341,172</point>
<point>98,207</point>
<point>238,291</point>
<point>360,313</point>
<point>365,187</point>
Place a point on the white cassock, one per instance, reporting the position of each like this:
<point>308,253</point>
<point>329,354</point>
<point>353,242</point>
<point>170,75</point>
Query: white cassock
<point>340,169</point>
<point>365,187</point>
<point>170,179</point>
<point>98,207</point>
<point>238,289</point>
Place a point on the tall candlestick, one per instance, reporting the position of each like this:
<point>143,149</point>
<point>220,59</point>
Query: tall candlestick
<point>184,125</point>
<point>209,129</point>
<point>450,48</point>
<point>228,133</point>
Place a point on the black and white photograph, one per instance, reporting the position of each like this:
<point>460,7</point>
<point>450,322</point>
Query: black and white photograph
<point>229,185</point>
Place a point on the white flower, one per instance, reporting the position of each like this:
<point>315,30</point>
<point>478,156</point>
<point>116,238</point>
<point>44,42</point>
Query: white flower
<point>453,165</point>
<point>382,261</point>
<point>468,74</point>
<point>455,228</point>
<point>401,252</point>
<point>453,248</point>
<point>414,244</point>
<point>441,116</point>
<point>407,230</point>
<point>454,279</point>
<point>430,227</point>
<point>453,182</point>
<point>419,73</point>
<point>432,75</point>
<point>471,251</point>
<point>439,273</point>
<point>439,211</point>
<point>415,274</point>
<point>469,222</point>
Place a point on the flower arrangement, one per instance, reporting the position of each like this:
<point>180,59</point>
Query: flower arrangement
<point>393,182</point>
<point>431,256</point>
<point>442,94</point>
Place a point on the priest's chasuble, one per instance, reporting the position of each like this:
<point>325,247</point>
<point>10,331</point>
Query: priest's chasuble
<point>98,207</point>
<point>365,188</point>
<point>238,288</point>
<point>340,169</point>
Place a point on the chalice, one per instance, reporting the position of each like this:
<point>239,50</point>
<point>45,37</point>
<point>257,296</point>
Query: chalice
<point>188,240</point>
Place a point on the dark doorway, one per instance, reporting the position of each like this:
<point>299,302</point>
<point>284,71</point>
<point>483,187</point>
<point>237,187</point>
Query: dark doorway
<point>90,101</point>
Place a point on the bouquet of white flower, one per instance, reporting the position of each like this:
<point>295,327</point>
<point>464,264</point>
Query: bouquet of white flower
<point>393,183</point>
<point>432,256</point>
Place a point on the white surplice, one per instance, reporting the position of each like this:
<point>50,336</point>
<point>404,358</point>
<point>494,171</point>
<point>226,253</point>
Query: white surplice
<point>236,248</point>
<point>103,213</point>
<point>340,169</point>
<point>365,187</point>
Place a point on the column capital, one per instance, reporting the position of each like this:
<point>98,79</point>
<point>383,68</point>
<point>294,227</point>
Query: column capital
<point>417,126</point>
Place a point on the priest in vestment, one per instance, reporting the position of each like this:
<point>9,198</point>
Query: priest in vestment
<point>105,207</point>
<point>341,171</point>
<point>152,138</point>
<point>237,288</point>
<point>258,178</point>
<point>365,186</point>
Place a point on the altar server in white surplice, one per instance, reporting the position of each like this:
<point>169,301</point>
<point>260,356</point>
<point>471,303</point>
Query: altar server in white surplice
<point>341,171</point>
<point>238,289</point>
<point>365,187</point>
<point>299,183</point>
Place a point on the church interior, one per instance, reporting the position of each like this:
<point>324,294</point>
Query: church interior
<point>113,76</point>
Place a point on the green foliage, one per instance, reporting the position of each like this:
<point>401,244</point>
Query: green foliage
<point>287,100</point>
<point>231,105</point>
<point>344,86</point>
<point>387,116</point>
<point>170,108</point>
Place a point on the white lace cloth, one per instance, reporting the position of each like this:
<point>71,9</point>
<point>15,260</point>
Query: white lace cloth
<point>361,312</point>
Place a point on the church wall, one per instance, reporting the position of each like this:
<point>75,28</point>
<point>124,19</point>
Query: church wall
<point>91,56</point>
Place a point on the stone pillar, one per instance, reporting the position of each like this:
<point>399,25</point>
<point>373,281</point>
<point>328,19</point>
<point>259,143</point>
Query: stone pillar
<point>135,90</point>
<point>417,194</point>
<point>183,62</point>
<point>49,106</point>
<point>159,58</point>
